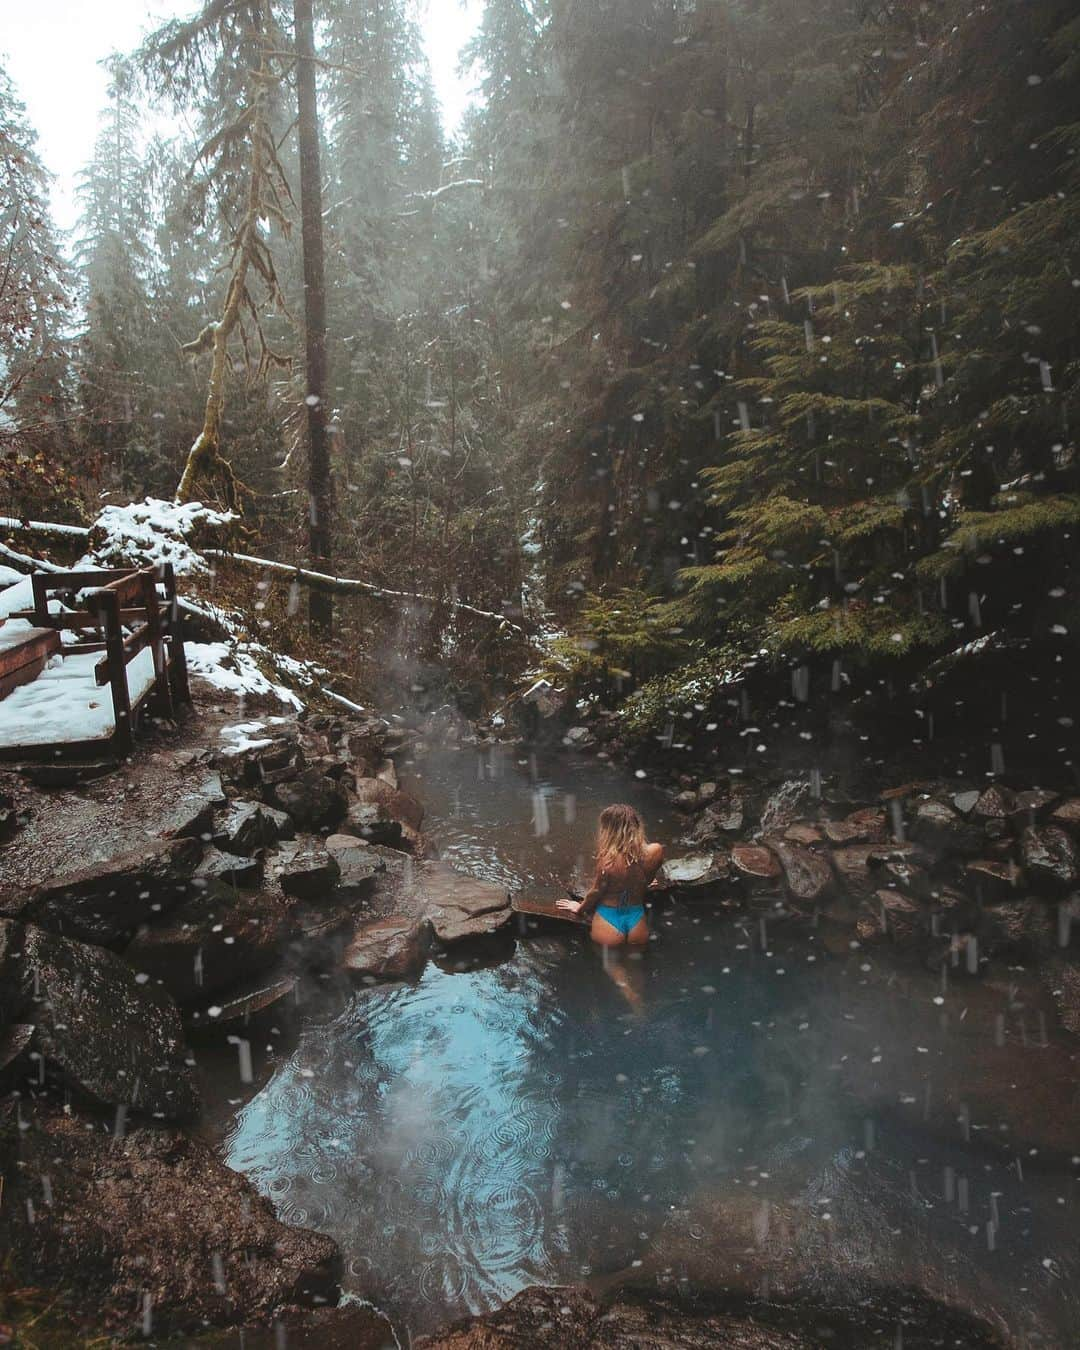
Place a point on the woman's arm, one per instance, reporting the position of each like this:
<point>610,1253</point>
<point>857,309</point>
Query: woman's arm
<point>654,860</point>
<point>591,900</point>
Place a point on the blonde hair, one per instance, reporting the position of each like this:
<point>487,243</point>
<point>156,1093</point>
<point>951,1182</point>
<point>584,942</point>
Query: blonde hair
<point>621,836</point>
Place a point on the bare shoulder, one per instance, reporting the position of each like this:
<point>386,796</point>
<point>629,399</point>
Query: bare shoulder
<point>654,855</point>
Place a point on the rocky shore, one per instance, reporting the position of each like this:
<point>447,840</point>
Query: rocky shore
<point>189,891</point>
<point>173,897</point>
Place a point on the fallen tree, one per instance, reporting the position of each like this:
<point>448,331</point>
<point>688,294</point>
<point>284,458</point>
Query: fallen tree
<point>323,581</point>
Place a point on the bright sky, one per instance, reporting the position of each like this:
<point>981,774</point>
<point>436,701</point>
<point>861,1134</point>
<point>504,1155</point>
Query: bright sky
<point>51,49</point>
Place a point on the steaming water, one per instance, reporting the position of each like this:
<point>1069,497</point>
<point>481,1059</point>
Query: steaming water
<point>549,1119</point>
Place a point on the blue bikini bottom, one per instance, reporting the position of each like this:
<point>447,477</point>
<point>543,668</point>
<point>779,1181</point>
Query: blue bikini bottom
<point>621,919</point>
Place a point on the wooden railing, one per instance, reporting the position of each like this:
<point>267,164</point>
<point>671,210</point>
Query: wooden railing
<point>121,612</point>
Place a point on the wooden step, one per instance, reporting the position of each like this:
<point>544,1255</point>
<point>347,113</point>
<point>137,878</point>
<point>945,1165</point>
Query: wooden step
<point>24,653</point>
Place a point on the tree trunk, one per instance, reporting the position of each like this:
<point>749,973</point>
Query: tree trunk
<point>320,604</point>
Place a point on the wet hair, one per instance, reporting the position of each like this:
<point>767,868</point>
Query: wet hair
<point>620,837</point>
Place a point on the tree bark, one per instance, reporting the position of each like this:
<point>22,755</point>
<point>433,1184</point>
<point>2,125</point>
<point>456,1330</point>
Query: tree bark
<point>320,521</point>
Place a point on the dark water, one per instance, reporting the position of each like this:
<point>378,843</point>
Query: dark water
<point>556,1118</point>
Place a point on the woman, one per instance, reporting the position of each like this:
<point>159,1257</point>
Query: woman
<point>625,868</point>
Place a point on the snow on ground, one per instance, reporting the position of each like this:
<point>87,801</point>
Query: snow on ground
<point>65,704</point>
<point>145,533</point>
<point>233,669</point>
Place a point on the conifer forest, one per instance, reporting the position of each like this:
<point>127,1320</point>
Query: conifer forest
<point>425,424</point>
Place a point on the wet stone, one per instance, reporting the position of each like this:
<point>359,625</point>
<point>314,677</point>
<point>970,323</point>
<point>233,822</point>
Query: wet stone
<point>314,801</point>
<point>388,948</point>
<point>865,826</point>
<point>996,803</point>
<point>252,825</point>
<point>358,863</point>
<point>756,866</point>
<point>226,869</point>
<point>1050,856</point>
<point>860,866</point>
<point>808,875</point>
<point>1067,815</point>
<point>106,902</point>
<point>892,915</point>
<point>306,870</point>
<point>695,871</point>
<point>114,1037</point>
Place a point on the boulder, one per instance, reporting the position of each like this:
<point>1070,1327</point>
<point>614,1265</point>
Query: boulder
<point>372,822</point>
<point>192,817</point>
<point>860,866</point>
<point>304,869</point>
<point>1067,814</point>
<point>707,793</point>
<point>358,863</point>
<point>1030,804</point>
<point>388,948</point>
<point>579,738</point>
<point>966,801</point>
<point>260,757</point>
<point>993,879</point>
<point>695,871</point>
<point>106,902</point>
<point>893,915</point>
<point>807,875</point>
<point>225,869</point>
<point>399,805</point>
<point>314,801</point>
<point>756,867</point>
<point>687,800</point>
<point>112,1035</point>
<point>211,943</point>
<point>790,801</point>
<point>460,906</point>
<point>942,829</point>
<point>865,826</point>
<point>1050,856</point>
<point>239,1005</point>
<point>996,803</point>
<point>252,825</point>
<point>152,1226</point>
<point>1062,979</point>
<point>803,832</point>
<point>1022,928</point>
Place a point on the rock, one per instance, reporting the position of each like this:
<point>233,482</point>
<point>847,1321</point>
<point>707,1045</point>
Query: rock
<point>860,866</point>
<point>192,817</point>
<point>790,801</point>
<point>154,1212</point>
<point>385,772</point>
<point>1067,815</point>
<point>730,814</point>
<point>802,832</point>
<point>695,871</point>
<point>707,793</point>
<point>357,862</point>
<point>226,869</point>
<point>1030,804</point>
<point>808,875</point>
<point>254,996</point>
<point>1062,979</point>
<point>314,801</point>
<point>865,826</point>
<point>460,906</point>
<point>686,800</point>
<point>993,879</point>
<point>546,698</point>
<point>1049,855</point>
<point>756,867</point>
<point>894,915</point>
<point>210,943</point>
<point>106,902</point>
<point>965,802</point>
<point>398,805</point>
<point>996,803</point>
<point>371,821</point>
<point>116,1038</point>
<point>304,869</point>
<point>388,948</point>
<point>935,824</point>
<point>252,825</point>
<point>1023,928</point>
<point>260,757</point>
<point>579,738</point>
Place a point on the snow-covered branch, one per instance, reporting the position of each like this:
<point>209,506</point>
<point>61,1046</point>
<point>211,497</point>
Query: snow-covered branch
<point>46,527</point>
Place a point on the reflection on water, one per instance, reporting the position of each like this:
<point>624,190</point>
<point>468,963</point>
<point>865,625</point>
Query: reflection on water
<point>470,1134</point>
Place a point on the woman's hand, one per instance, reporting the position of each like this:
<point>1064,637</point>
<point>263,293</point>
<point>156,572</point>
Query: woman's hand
<point>573,906</point>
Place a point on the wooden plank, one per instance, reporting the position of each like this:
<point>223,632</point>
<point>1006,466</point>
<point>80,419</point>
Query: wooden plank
<point>117,666</point>
<point>546,909</point>
<point>23,649</point>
